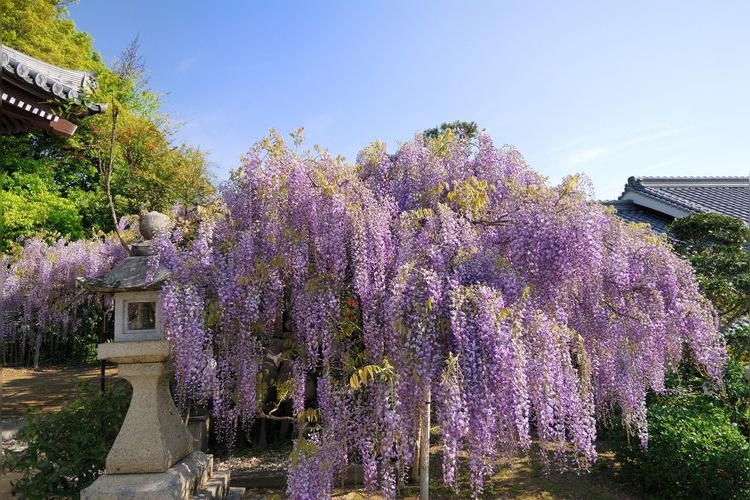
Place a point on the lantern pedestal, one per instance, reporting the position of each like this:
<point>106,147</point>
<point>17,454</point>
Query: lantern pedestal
<point>153,436</point>
<point>151,457</point>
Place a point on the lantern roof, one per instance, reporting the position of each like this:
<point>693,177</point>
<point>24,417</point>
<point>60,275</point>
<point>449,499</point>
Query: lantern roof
<point>133,274</point>
<point>136,272</point>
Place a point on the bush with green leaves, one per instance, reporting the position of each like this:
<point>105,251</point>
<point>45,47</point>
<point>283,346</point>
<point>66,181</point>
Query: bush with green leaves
<point>716,246</point>
<point>736,395</point>
<point>694,451</point>
<point>67,449</point>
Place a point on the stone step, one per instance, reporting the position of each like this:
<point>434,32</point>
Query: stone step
<point>177,483</point>
<point>235,493</point>
<point>12,428</point>
<point>215,488</point>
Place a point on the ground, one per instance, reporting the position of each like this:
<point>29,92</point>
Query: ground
<point>45,389</point>
<point>521,478</point>
<point>49,388</point>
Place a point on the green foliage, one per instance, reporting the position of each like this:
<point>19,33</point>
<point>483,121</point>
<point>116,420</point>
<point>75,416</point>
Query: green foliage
<point>694,451</point>
<point>32,200</point>
<point>733,396</point>
<point>40,28</point>
<point>67,449</point>
<point>716,246</point>
<point>468,130</point>
<point>54,186</point>
<point>736,395</point>
<point>737,336</point>
<point>470,196</point>
<point>698,444</point>
<point>34,209</point>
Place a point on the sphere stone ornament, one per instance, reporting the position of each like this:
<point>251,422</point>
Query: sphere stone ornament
<point>150,223</point>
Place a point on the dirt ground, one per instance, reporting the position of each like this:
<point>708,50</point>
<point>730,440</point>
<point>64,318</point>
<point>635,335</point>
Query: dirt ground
<point>45,389</point>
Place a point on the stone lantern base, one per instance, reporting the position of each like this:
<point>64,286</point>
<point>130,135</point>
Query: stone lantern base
<point>151,457</point>
<point>181,481</point>
<point>153,437</point>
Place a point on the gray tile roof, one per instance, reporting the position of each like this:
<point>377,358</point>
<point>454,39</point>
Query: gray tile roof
<point>39,95</point>
<point>724,195</point>
<point>47,78</point>
<point>630,212</point>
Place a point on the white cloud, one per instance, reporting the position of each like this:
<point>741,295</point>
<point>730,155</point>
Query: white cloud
<point>588,155</point>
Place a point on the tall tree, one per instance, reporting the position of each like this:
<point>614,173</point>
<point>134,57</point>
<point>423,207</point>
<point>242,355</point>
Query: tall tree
<point>468,130</point>
<point>41,29</point>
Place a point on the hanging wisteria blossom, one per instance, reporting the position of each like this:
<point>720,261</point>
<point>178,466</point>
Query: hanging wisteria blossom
<point>41,298</point>
<point>448,268</point>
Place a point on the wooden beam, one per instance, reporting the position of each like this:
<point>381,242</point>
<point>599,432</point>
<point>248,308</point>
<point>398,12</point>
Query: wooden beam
<point>61,126</point>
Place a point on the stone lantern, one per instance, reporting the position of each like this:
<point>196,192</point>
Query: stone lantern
<point>152,456</point>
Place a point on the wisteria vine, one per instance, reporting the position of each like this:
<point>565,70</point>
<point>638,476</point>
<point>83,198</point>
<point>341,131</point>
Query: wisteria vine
<point>41,298</point>
<point>527,311</point>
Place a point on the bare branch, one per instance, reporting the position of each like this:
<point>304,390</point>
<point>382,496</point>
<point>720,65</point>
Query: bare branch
<point>274,417</point>
<point>131,65</point>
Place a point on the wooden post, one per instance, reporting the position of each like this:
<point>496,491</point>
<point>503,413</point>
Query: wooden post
<point>103,363</point>
<point>424,447</point>
<point>415,463</point>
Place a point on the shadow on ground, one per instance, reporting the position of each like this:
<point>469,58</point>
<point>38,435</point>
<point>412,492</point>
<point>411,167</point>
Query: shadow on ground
<point>45,389</point>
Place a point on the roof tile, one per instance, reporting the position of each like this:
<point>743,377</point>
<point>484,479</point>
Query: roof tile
<point>724,195</point>
<point>630,212</point>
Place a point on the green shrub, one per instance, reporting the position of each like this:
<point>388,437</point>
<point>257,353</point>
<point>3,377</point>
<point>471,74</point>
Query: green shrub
<point>694,451</point>
<point>736,395</point>
<point>67,449</point>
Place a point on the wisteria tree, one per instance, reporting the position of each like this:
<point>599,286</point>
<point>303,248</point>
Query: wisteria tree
<point>447,270</point>
<point>42,304</point>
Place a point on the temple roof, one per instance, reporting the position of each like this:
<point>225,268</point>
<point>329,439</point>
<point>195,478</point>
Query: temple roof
<point>678,196</point>
<point>659,200</point>
<point>39,95</point>
<point>628,211</point>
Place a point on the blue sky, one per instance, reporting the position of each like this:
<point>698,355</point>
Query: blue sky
<point>607,88</point>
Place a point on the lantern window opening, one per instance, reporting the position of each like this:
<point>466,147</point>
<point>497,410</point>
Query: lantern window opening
<point>138,316</point>
<point>141,316</point>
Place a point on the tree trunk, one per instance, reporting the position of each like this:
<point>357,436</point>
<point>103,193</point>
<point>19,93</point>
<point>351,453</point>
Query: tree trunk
<point>37,350</point>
